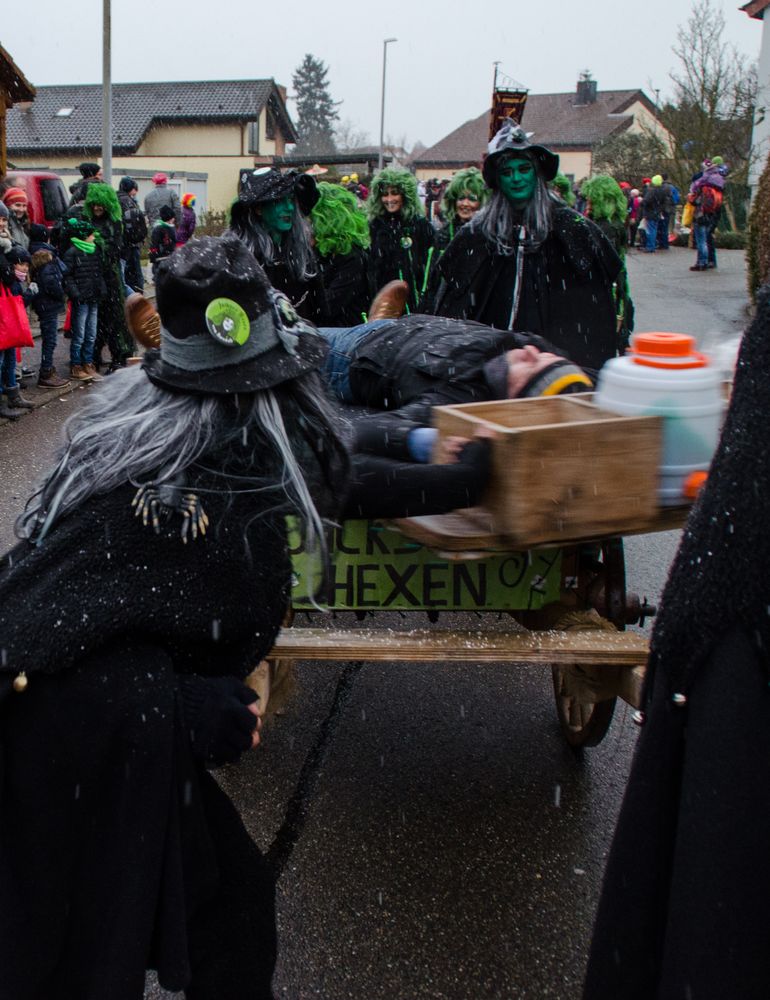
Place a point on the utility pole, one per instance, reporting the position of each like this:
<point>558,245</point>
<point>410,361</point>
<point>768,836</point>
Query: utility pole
<point>106,92</point>
<point>385,44</point>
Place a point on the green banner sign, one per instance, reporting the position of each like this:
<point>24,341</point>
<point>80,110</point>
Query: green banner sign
<point>371,566</point>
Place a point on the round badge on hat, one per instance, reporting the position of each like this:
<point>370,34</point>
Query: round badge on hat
<point>227,322</point>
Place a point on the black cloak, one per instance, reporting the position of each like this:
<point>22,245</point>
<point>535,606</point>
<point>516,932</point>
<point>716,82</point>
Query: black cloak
<point>567,293</point>
<point>685,906</point>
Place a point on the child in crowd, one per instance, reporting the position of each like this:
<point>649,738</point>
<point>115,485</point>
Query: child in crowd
<point>187,225</point>
<point>15,280</point>
<point>84,284</point>
<point>163,238</point>
<point>47,271</point>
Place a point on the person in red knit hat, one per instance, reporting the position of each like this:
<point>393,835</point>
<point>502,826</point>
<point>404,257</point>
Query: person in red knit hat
<point>161,195</point>
<point>15,200</point>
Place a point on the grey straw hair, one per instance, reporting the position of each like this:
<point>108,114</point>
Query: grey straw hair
<point>132,431</point>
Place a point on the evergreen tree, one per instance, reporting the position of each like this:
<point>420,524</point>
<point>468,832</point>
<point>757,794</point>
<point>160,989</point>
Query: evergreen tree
<point>316,111</point>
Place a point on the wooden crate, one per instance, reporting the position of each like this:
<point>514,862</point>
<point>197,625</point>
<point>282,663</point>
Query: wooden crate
<point>562,469</point>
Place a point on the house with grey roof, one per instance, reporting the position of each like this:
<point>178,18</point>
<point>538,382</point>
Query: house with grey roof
<point>570,124</point>
<point>202,131</point>
<point>14,88</point>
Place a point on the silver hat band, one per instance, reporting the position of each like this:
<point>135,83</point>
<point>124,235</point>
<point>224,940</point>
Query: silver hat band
<point>201,352</point>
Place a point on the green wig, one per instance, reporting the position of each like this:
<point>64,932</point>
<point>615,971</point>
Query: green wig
<point>468,181</point>
<point>404,183</point>
<point>562,186</point>
<point>606,197</point>
<point>102,194</point>
<point>339,224</point>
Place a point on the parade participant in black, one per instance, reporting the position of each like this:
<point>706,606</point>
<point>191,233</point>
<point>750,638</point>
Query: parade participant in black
<point>269,216</point>
<point>102,210</point>
<point>607,207</point>
<point>685,905</point>
<point>463,197</point>
<point>341,237</point>
<point>154,564</point>
<point>528,262</point>
<point>402,238</point>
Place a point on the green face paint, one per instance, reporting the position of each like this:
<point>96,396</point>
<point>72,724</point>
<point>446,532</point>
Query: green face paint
<point>517,179</point>
<point>278,216</point>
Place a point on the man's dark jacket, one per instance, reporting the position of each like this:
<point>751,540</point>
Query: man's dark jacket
<point>566,293</point>
<point>417,362</point>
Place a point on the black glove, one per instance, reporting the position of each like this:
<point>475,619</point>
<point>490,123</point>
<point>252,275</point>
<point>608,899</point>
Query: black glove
<point>477,455</point>
<point>218,721</point>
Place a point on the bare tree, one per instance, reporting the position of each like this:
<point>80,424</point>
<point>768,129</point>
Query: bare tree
<point>630,156</point>
<point>347,135</point>
<point>715,91</point>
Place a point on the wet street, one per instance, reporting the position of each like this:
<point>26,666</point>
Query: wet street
<point>436,839</point>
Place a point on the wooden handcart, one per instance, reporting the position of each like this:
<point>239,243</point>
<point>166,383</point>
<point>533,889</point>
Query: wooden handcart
<point>544,561</point>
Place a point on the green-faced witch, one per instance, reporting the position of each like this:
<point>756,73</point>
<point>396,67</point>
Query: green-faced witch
<point>528,262</point>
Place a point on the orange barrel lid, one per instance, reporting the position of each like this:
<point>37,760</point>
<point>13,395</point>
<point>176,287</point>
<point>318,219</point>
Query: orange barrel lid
<point>666,350</point>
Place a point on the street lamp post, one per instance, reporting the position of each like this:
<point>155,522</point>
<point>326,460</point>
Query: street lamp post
<point>385,44</point>
<point>106,92</point>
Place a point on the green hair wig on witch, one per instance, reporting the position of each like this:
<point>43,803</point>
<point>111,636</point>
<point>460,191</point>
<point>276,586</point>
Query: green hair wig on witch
<point>404,183</point>
<point>562,184</point>
<point>469,181</point>
<point>606,197</point>
<point>102,194</point>
<point>338,222</point>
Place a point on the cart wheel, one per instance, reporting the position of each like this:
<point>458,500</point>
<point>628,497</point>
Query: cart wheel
<point>583,721</point>
<point>585,696</point>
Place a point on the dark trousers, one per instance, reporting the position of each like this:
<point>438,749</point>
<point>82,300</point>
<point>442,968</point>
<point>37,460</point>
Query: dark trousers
<point>663,223</point>
<point>49,323</point>
<point>133,272</point>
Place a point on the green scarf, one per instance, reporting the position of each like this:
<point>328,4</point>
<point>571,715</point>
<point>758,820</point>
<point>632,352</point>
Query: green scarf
<point>83,245</point>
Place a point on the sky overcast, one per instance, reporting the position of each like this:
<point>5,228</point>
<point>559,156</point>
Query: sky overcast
<point>439,72</point>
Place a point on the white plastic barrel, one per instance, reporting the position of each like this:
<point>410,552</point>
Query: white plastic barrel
<point>662,374</point>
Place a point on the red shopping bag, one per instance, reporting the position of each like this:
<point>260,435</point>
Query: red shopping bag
<point>68,318</point>
<point>14,322</point>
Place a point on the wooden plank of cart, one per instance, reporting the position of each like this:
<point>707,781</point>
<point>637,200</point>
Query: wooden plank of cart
<point>541,566</point>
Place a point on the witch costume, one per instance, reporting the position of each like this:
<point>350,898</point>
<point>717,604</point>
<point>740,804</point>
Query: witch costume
<point>685,906</point>
<point>402,242</point>
<point>153,598</point>
<point>290,265</point>
<point>558,283</point>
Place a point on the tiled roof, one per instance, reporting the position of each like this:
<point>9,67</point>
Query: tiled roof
<point>137,107</point>
<point>13,81</point>
<point>555,120</point>
<point>756,8</point>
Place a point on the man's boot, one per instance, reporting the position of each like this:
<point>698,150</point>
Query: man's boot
<point>17,401</point>
<point>389,302</point>
<point>51,379</point>
<point>7,411</point>
<point>78,372</point>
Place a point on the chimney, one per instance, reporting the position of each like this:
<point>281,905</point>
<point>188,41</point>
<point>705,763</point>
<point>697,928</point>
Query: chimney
<point>586,89</point>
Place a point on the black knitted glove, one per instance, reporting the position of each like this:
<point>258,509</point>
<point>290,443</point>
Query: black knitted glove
<point>219,724</point>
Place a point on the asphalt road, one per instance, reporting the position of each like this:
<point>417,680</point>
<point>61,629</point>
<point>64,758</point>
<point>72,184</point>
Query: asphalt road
<point>437,839</point>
